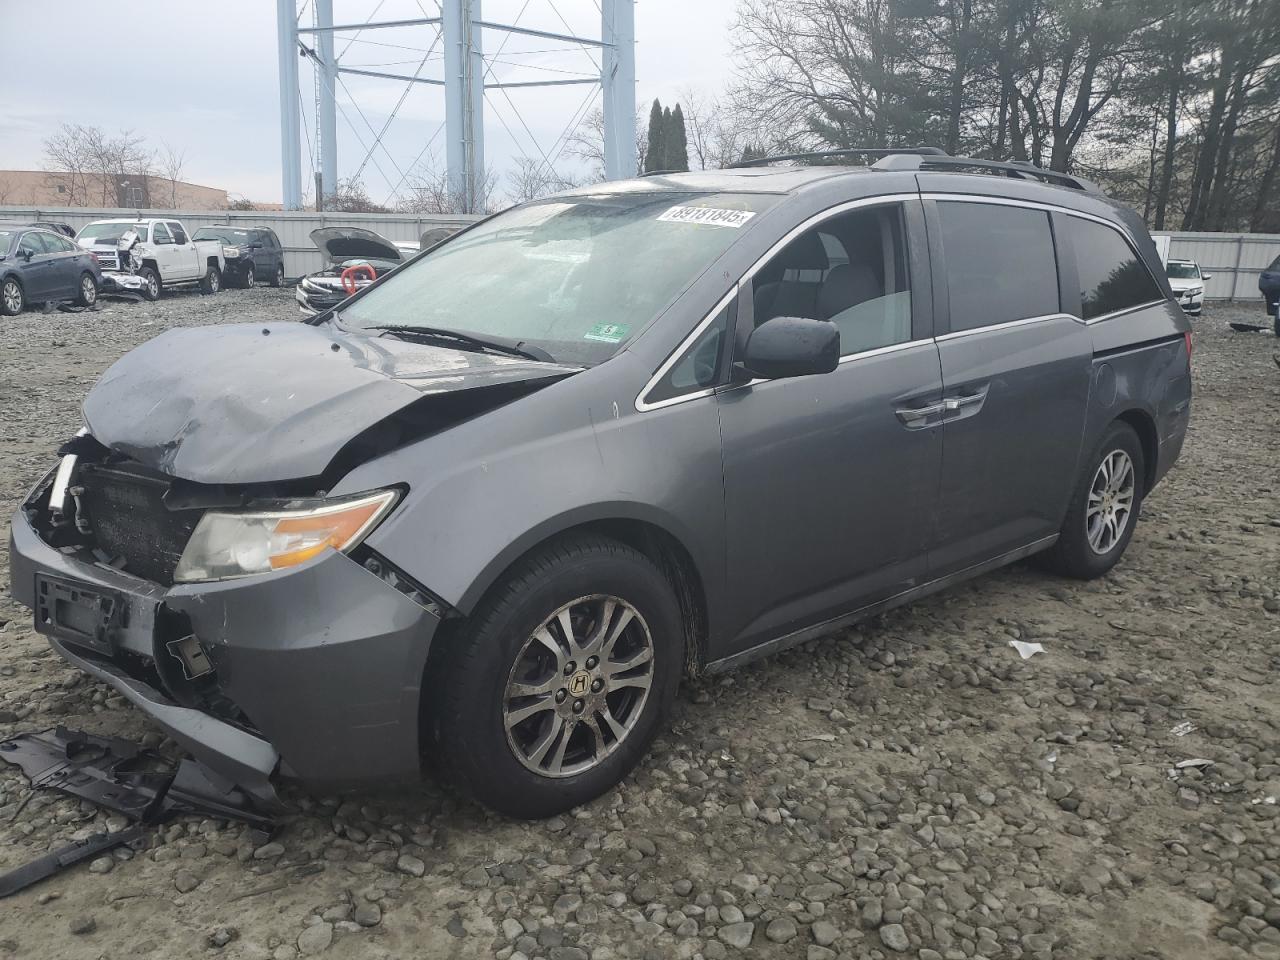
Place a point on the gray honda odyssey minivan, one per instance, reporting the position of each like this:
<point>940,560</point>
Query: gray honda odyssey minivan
<point>491,509</point>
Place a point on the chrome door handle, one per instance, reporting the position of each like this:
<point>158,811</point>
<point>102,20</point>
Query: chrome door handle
<point>951,404</point>
<point>913,415</point>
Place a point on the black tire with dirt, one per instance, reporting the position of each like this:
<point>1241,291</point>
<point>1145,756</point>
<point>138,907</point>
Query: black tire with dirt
<point>277,278</point>
<point>211,283</point>
<point>13,299</point>
<point>471,701</point>
<point>87,291</point>
<point>153,286</point>
<point>1076,554</point>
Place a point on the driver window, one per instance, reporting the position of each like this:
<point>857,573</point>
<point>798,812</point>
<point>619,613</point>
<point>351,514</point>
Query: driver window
<point>850,270</point>
<point>160,234</point>
<point>179,235</point>
<point>34,245</point>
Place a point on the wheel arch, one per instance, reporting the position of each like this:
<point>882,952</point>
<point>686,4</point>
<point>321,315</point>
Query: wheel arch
<point>645,534</point>
<point>1144,425</point>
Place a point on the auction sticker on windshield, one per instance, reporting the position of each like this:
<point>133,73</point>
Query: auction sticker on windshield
<point>607,332</point>
<point>708,215</point>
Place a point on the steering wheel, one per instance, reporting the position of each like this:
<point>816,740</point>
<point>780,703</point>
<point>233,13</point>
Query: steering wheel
<point>349,276</point>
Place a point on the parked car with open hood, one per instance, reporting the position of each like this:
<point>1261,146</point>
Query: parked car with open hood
<point>345,248</point>
<point>494,506</point>
<point>40,266</point>
<point>251,254</point>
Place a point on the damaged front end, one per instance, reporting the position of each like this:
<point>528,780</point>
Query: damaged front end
<point>188,549</point>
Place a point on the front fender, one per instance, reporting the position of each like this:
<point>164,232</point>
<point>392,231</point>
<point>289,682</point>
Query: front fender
<point>485,492</point>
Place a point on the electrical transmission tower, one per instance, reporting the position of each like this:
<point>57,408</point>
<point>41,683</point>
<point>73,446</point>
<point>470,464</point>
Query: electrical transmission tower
<point>466,78</point>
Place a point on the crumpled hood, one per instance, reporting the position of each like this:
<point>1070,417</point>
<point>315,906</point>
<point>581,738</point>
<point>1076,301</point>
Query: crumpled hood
<point>248,403</point>
<point>1181,285</point>
<point>351,243</point>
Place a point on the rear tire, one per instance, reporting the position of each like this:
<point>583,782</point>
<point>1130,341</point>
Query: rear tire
<point>13,298</point>
<point>532,733</point>
<point>1104,507</point>
<point>88,291</point>
<point>277,278</point>
<point>212,281</point>
<point>153,287</point>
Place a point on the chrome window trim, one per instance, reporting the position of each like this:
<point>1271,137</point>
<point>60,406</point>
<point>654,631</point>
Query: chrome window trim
<point>1027,321</point>
<point>1120,313</point>
<point>1067,211</point>
<point>643,405</point>
<point>860,355</point>
<point>821,216</point>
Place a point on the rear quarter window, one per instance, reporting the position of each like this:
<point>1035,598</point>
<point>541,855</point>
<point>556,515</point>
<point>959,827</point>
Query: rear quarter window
<point>1112,275</point>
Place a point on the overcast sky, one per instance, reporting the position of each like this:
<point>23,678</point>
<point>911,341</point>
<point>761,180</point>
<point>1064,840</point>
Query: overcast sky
<point>203,79</point>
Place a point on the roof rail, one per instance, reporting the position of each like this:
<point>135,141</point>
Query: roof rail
<point>659,173</point>
<point>850,151</point>
<point>1018,169</point>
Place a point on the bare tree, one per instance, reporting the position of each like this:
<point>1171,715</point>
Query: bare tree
<point>351,196</point>
<point>90,164</point>
<point>427,190</point>
<point>533,180</point>
<point>171,163</point>
<point>587,142</point>
<point>719,133</point>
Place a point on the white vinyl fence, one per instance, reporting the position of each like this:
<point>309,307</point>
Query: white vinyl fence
<point>1234,259</point>
<point>293,227</point>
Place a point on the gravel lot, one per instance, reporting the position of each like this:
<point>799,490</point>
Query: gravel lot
<point>909,788</point>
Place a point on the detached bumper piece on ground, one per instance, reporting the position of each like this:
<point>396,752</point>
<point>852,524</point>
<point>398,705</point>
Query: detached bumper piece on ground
<point>122,776</point>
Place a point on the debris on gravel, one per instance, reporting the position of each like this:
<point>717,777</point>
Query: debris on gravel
<point>909,787</point>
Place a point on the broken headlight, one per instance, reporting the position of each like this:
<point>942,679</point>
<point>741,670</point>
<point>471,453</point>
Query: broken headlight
<point>229,544</point>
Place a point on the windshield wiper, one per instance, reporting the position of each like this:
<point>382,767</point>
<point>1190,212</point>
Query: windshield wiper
<point>519,349</point>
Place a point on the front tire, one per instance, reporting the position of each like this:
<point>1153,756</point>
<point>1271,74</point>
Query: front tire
<point>151,285</point>
<point>87,295</point>
<point>557,685</point>
<point>1104,507</point>
<point>248,279</point>
<point>12,297</point>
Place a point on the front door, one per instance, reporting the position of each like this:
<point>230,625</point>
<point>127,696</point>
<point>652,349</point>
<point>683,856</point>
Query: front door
<point>1016,371</point>
<point>38,272</point>
<point>830,480</point>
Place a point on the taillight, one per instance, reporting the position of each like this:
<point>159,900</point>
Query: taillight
<point>94,256</point>
<point>1187,335</point>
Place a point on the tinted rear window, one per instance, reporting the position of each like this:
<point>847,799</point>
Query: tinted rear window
<point>1000,263</point>
<point>1112,276</point>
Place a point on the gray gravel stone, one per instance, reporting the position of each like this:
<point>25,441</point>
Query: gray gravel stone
<point>893,936</point>
<point>737,935</point>
<point>315,939</point>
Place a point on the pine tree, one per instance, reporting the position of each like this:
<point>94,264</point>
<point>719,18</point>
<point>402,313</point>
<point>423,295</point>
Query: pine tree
<point>677,142</point>
<point>655,156</point>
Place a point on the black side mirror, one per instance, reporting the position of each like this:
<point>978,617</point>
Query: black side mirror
<point>792,347</point>
<point>255,246</point>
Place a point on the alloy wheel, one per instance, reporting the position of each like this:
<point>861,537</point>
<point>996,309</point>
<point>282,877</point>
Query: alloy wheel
<point>88,291</point>
<point>1110,501</point>
<point>12,296</point>
<point>578,686</point>
<point>249,279</point>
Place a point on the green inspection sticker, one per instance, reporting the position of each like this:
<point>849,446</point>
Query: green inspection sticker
<point>607,332</point>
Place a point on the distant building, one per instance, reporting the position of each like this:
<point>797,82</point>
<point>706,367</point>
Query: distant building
<point>44,188</point>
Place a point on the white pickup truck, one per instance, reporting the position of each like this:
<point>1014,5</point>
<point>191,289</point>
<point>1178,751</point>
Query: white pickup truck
<point>164,256</point>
